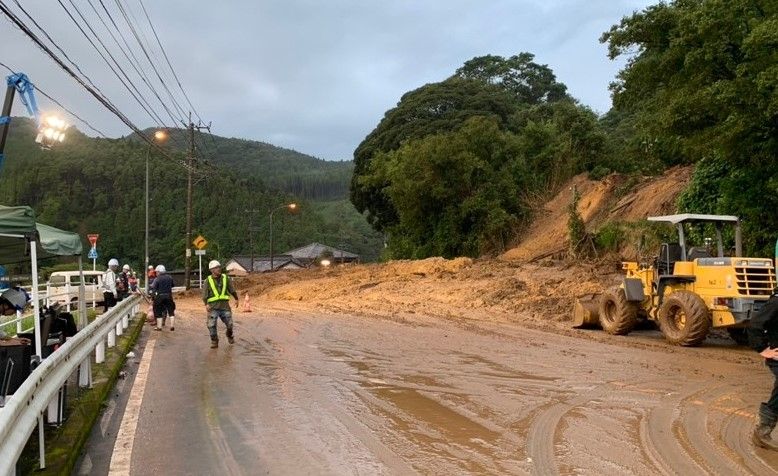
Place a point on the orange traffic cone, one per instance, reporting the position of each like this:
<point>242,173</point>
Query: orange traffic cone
<point>246,304</point>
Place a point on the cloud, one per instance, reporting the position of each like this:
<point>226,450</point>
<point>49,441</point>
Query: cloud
<point>318,76</point>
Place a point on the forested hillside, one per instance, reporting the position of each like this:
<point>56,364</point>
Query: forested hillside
<point>93,185</point>
<point>282,169</point>
<point>457,166</point>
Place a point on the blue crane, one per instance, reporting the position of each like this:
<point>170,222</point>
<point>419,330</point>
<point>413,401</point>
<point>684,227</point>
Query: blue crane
<point>50,130</point>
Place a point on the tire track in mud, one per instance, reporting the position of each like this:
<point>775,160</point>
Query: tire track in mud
<point>657,433</point>
<point>735,432</point>
<point>710,452</point>
<point>540,440</point>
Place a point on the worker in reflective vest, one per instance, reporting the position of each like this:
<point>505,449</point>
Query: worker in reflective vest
<point>216,296</point>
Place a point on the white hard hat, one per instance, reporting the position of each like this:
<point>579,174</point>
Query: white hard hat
<point>214,264</point>
<point>126,267</point>
<point>151,267</point>
<point>161,268</point>
<point>113,262</point>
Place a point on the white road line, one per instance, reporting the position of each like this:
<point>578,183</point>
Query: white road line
<point>122,449</point>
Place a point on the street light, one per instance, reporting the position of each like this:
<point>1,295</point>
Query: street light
<point>159,136</point>
<point>289,206</point>
<point>51,131</point>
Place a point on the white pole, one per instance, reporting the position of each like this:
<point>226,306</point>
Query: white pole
<point>94,264</point>
<point>100,352</point>
<point>36,305</point>
<point>41,443</point>
<point>200,269</point>
<point>81,296</point>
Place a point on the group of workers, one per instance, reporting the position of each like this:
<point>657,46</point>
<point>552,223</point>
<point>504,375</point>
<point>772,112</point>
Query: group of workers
<point>217,291</point>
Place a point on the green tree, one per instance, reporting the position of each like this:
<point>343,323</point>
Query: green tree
<point>701,84</point>
<point>454,192</point>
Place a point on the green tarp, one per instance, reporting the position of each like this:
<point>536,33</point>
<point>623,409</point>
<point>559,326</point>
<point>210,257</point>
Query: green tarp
<point>18,228</point>
<point>59,242</point>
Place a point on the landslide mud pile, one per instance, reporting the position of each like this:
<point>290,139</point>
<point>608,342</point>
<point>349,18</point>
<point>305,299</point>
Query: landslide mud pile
<point>484,289</point>
<point>526,284</point>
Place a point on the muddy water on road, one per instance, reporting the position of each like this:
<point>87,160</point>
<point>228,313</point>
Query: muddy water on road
<point>307,393</point>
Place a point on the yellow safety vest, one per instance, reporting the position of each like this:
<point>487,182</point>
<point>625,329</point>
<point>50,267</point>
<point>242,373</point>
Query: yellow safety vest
<point>217,296</point>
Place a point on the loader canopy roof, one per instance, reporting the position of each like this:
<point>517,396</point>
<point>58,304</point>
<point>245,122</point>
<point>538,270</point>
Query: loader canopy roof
<point>692,218</point>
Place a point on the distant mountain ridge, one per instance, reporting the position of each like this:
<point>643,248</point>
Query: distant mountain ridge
<point>279,168</point>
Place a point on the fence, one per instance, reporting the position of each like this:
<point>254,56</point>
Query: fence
<point>27,404</point>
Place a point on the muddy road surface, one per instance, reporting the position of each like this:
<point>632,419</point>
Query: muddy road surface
<point>305,392</point>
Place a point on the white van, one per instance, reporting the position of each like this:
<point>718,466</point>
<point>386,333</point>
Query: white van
<point>63,286</point>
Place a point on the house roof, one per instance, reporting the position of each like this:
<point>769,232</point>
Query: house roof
<point>314,250</point>
<point>262,263</point>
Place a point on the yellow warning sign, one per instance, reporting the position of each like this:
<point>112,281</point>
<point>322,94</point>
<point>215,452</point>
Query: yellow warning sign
<point>200,242</point>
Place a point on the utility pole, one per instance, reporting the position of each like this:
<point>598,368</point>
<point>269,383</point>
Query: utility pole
<point>251,213</point>
<point>189,170</point>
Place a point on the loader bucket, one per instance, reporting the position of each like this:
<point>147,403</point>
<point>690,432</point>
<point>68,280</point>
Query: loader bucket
<point>585,312</point>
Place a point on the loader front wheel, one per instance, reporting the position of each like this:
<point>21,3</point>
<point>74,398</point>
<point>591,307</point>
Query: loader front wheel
<point>617,315</point>
<point>684,319</point>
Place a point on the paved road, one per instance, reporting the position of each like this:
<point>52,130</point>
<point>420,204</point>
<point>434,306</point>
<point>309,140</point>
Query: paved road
<point>302,392</point>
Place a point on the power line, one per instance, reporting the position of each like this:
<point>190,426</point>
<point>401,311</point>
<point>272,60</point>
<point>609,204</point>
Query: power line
<point>92,90</point>
<point>137,64</point>
<point>128,84</point>
<point>79,118</point>
<point>146,53</point>
<point>167,59</point>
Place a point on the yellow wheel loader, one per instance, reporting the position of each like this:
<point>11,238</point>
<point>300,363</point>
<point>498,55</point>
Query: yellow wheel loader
<point>687,290</point>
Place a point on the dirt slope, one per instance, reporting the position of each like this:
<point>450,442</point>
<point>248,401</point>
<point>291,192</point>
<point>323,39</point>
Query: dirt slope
<point>601,201</point>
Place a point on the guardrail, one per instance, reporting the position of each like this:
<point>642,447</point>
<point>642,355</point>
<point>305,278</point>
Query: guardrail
<point>27,404</point>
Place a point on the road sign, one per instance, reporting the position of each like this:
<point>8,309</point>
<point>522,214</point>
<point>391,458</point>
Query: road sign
<point>92,253</point>
<point>199,252</point>
<point>93,239</point>
<point>200,242</point>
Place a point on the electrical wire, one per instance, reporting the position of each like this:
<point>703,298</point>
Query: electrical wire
<point>134,31</point>
<point>91,88</point>
<point>79,118</point>
<point>167,59</point>
<point>126,81</point>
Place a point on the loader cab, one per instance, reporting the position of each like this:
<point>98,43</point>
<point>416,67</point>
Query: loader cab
<point>671,253</point>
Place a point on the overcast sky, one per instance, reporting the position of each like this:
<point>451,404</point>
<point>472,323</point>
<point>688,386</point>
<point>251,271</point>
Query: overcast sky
<point>313,75</point>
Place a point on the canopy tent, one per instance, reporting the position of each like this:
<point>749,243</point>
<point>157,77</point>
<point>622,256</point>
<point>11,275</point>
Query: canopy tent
<point>21,236</point>
<point>18,229</point>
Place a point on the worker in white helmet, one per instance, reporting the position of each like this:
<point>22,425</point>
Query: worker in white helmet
<point>216,296</point>
<point>162,291</point>
<point>109,284</point>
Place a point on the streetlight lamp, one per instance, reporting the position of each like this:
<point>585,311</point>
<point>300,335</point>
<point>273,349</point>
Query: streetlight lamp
<point>159,136</point>
<point>289,206</point>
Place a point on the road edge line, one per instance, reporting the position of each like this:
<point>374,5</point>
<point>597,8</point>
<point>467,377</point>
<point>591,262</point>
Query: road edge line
<point>121,458</point>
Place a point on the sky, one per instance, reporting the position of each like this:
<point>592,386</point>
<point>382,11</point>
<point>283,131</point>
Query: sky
<point>310,75</point>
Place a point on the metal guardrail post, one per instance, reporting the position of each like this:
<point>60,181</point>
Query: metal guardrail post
<point>112,337</point>
<point>100,352</point>
<point>120,327</point>
<point>26,406</point>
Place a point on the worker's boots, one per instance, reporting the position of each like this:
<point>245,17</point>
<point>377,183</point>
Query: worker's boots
<point>230,338</point>
<point>159,324</point>
<point>172,323</point>
<point>214,343</point>
<point>763,430</point>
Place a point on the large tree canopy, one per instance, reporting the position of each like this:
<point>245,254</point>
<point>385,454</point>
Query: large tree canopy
<point>489,86</point>
<point>451,169</point>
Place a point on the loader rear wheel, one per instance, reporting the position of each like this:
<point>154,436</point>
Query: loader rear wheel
<point>617,315</point>
<point>684,319</point>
